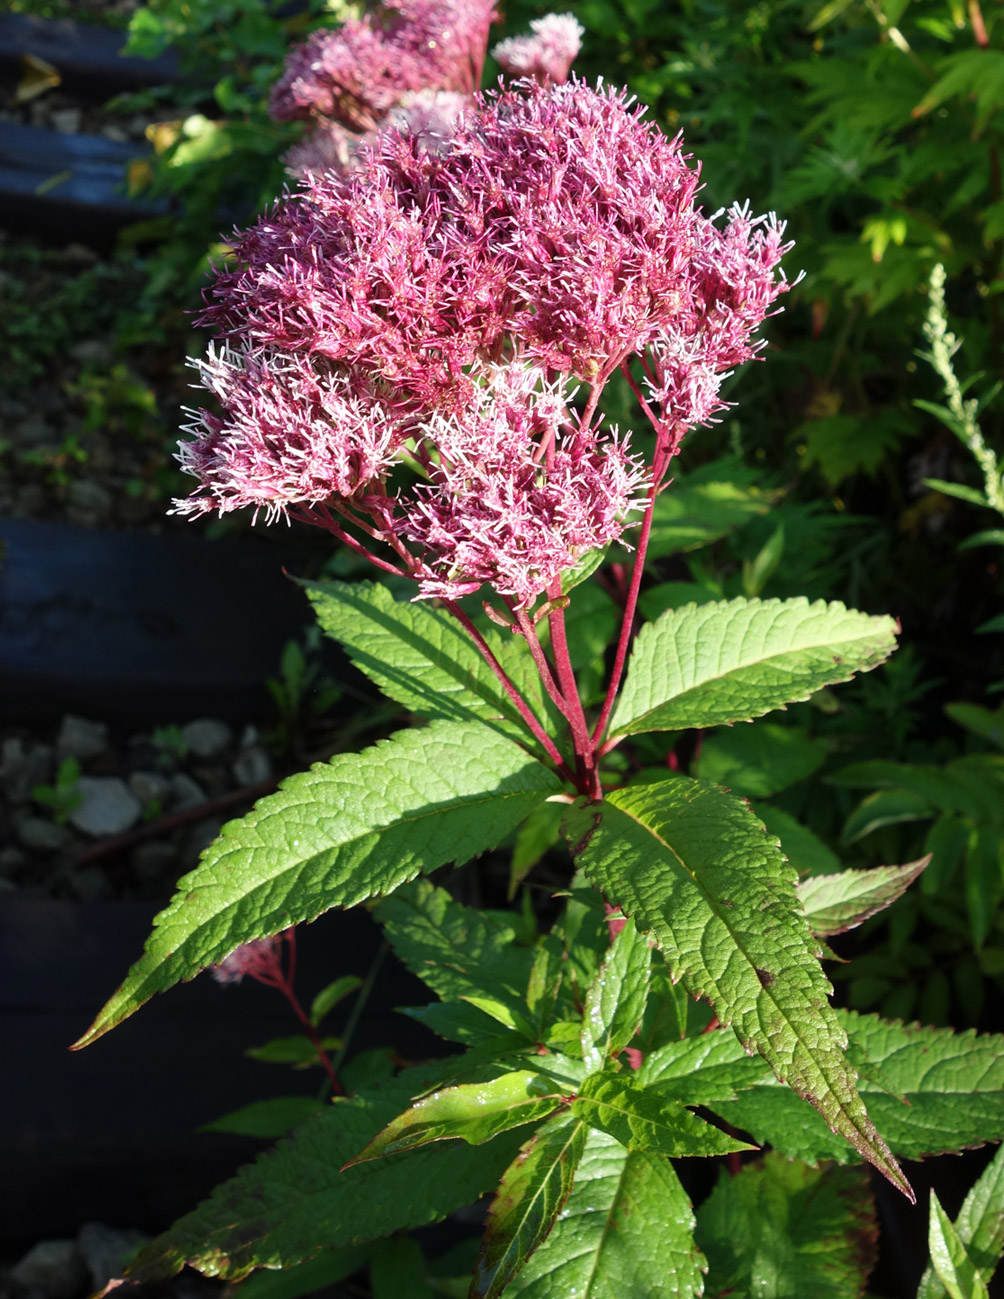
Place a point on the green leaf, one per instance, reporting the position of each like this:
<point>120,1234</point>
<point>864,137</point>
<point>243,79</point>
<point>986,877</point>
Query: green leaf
<point>398,1269</point>
<point>641,1119</point>
<point>711,664</point>
<point>988,537</point>
<point>952,1264</point>
<point>885,807</point>
<point>929,1091</point>
<point>329,1267</point>
<point>626,1229</point>
<point>423,658</point>
<point>274,1212</point>
<point>783,1229</point>
<point>328,998</point>
<point>759,760</point>
<point>530,1196</point>
<point>984,880</point>
<point>615,1002</point>
<point>359,825</point>
<point>962,493</point>
<point>296,1049</point>
<point>699,1070</point>
<point>460,952</point>
<point>836,903</point>
<point>474,1112</point>
<point>979,1227</point>
<point>688,515</point>
<point>270,1119</point>
<point>693,866</point>
<point>805,850</point>
<point>981,721</point>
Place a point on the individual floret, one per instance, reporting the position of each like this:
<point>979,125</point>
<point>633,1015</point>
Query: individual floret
<point>547,55</point>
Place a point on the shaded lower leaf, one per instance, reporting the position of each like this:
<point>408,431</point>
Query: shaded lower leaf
<point>760,759</point>
<point>616,998</point>
<point>530,1196</point>
<point>329,1267</point>
<point>357,826</point>
<point>276,1211</point>
<point>461,953</point>
<point>980,1228</point>
<point>929,1091</point>
<point>398,1269</point>
<point>474,1112</point>
<point>694,867</point>
<point>784,1229</point>
<point>270,1119</point>
<point>626,1229</point>
<point>950,1259</point>
<point>835,903</point>
<point>642,1119</point>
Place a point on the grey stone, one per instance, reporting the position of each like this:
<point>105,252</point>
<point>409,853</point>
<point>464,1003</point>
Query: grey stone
<point>107,806</point>
<point>29,501</point>
<point>23,769</point>
<point>252,767</point>
<point>114,133</point>
<point>67,121</point>
<point>7,886</point>
<point>249,737</point>
<point>207,737</point>
<point>52,1268</point>
<point>153,860</point>
<point>88,502</point>
<point>198,840</point>
<point>186,792</point>
<point>12,860</point>
<point>150,787</point>
<point>90,884</point>
<point>34,431</point>
<point>92,351</point>
<point>105,1250</point>
<point>81,739</point>
<point>39,835</point>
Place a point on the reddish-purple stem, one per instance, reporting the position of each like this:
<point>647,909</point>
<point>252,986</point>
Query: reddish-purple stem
<point>529,631</point>
<point>585,750</point>
<point>627,625</point>
<point>274,976</point>
<point>524,709</point>
<point>321,518</point>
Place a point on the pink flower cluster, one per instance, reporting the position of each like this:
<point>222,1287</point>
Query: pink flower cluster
<point>357,73</point>
<point>547,55</point>
<point>426,303</point>
<point>260,959</point>
<point>519,492</point>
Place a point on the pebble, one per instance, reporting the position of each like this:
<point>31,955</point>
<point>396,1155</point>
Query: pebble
<point>81,739</point>
<point>66,121</point>
<point>186,792</point>
<point>23,769</point>
<point>88,503</point>
<point>39,835</point>
<point>34,431</point>
<point>153,860</point>
<point>150,787</point>
<point>107,806</point>
<point>54,1269</point>
<point>12,860</point>
<point>90,884</point>
<point>29,501</point>
<point>198,840</point>
<point>249,737</point>
<point>252,767</point>
<point>207,737</point>
<point>105,1249</point>
<point>92,351</point>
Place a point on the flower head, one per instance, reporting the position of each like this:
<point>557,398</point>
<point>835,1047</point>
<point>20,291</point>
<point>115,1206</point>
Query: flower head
<point>358,72</point>
<point>261,957</point>
<point>291,432</point>
<point>519,492</point>
<point>547,55</point>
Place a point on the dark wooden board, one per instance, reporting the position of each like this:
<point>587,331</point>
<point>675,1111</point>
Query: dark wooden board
<point>109,1133</point>
<point>140,628</point>
<point>86,57</point>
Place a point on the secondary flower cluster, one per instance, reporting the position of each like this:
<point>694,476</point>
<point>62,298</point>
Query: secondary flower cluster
<point>426,307</point>
<point>412,67</point>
